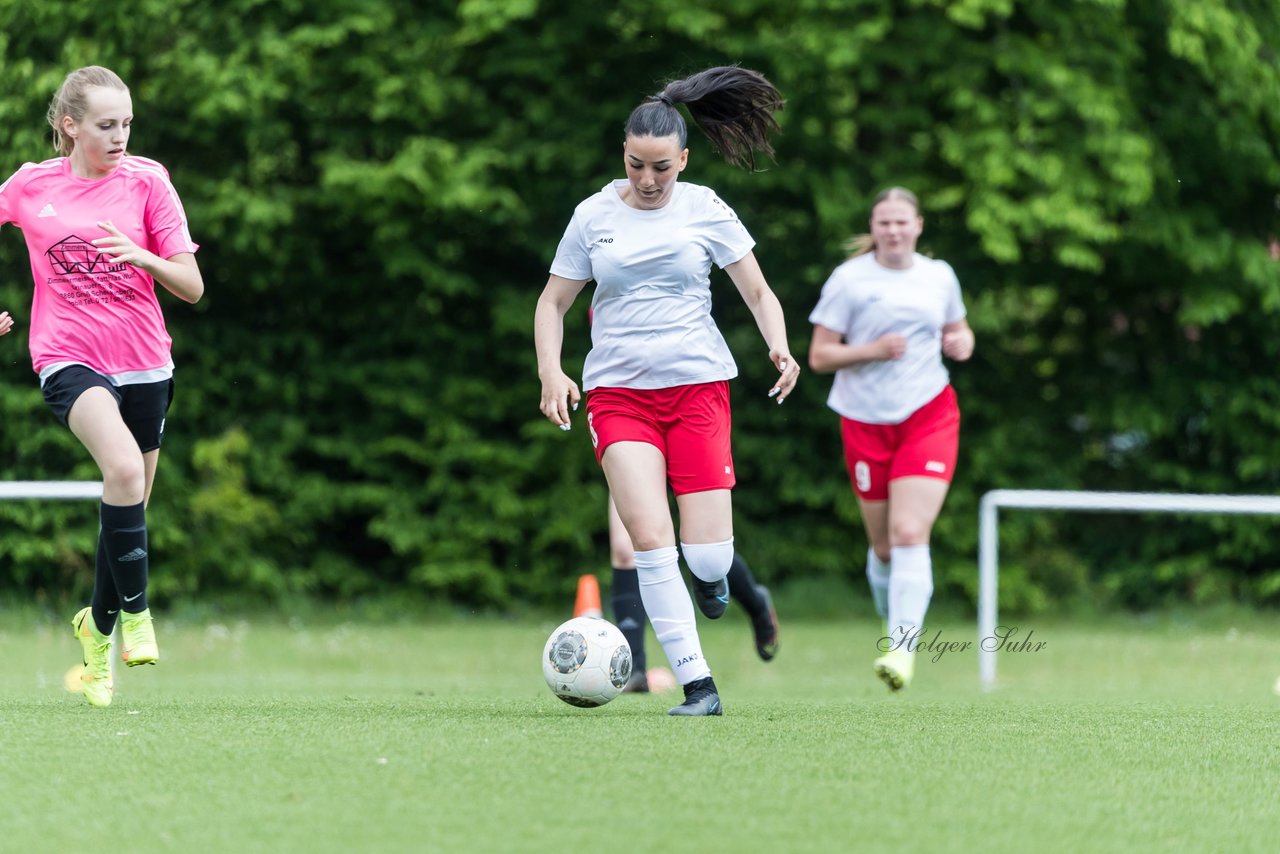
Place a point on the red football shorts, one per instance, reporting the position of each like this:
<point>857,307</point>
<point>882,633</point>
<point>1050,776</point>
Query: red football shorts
<point>925,445</point>
<point>689,424</point>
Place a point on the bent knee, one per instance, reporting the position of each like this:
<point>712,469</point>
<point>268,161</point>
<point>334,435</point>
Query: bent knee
<point>126,473</point>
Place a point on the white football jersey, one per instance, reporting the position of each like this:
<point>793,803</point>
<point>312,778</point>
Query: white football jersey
<point>651,321</point>
<point>863,300</point>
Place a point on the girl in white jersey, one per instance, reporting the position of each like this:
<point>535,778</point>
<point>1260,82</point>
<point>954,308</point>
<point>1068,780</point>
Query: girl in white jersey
<point>657,374</point>
<point>884,321</point>
<point>101,228</point>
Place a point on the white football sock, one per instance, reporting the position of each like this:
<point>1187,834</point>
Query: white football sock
<point>910,588</point>
<point>878,578</point>
<point>670,609</point>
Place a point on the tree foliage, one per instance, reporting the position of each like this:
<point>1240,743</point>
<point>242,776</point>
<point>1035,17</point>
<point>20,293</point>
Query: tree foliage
<point>379,186</point>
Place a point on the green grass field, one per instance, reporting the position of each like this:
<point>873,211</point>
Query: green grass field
<point>324,735</point>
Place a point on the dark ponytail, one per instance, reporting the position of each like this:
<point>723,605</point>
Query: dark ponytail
<point>733,106</point>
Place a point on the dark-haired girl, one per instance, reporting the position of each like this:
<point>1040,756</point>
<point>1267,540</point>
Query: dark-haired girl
<point>657,374</point>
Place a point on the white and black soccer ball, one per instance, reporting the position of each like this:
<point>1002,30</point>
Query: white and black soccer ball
<point>586,662</point>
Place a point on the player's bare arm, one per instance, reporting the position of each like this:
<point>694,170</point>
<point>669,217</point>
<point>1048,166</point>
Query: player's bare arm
<point>828,351</point>
<point>957,340</point>
<point>560,395</point>
<point>767,310</point>
<point>180,274</point>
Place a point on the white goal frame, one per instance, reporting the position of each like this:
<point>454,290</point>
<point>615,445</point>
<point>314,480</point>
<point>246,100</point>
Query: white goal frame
<point>55,490</point>
<point>1044,499</point>
<point>50,490</point>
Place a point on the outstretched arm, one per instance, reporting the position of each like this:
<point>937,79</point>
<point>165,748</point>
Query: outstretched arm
<point>767,311</point>
<point>560,394</point>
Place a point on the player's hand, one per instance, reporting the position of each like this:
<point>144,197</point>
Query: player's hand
<point>120,249</point>
<point>891,347</point>
<point>6,322</point>
<point>560,396</point>
<point>958,345</point>
<point>788,373</point>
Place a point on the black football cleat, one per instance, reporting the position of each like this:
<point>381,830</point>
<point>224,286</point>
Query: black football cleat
<point>766,628</point>
<point>712,597</point>
<point>638,683</point>
<point>700,700</point>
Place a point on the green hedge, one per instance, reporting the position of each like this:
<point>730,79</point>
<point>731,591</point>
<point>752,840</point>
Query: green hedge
<point>379,186</point>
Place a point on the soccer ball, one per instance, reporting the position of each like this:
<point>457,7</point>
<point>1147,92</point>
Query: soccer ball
<point>586,662</point>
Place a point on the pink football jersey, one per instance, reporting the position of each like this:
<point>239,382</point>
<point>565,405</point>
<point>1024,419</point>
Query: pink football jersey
<point>86,309</point>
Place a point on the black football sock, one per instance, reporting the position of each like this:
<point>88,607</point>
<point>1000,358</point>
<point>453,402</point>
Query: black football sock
<point>628,613</point>
<point>106,601</point>
<point>742,589</point>
<point>124,531</point>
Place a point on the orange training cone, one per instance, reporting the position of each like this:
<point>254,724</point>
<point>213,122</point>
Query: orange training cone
<point>588,602</point>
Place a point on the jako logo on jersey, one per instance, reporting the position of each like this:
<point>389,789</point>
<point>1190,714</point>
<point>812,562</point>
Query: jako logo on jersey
<point>935,466</point>
<point>47,210</point>
<point>605,240</point>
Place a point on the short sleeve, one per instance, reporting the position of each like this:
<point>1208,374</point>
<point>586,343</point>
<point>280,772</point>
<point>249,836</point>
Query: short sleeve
<point>955,302</point>
<point>832,310</point>
<point>166,221</point>
<point>572,260</point>
<point>9,193</point>
<point>728,240</point>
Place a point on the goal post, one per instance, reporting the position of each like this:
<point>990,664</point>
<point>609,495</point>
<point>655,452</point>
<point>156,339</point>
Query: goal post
<point>50,490</point>
<point>1100,502</point>
<point>55,490</point>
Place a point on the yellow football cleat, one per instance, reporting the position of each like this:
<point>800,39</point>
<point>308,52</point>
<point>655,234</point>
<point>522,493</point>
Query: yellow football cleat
<point>895,668</point>
<point>95,679</point>
<point>138,637</point>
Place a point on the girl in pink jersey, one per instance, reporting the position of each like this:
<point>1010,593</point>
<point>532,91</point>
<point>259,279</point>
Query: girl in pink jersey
<point>102,227</point>
<point>657,374</point>
<point>884,321</point>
